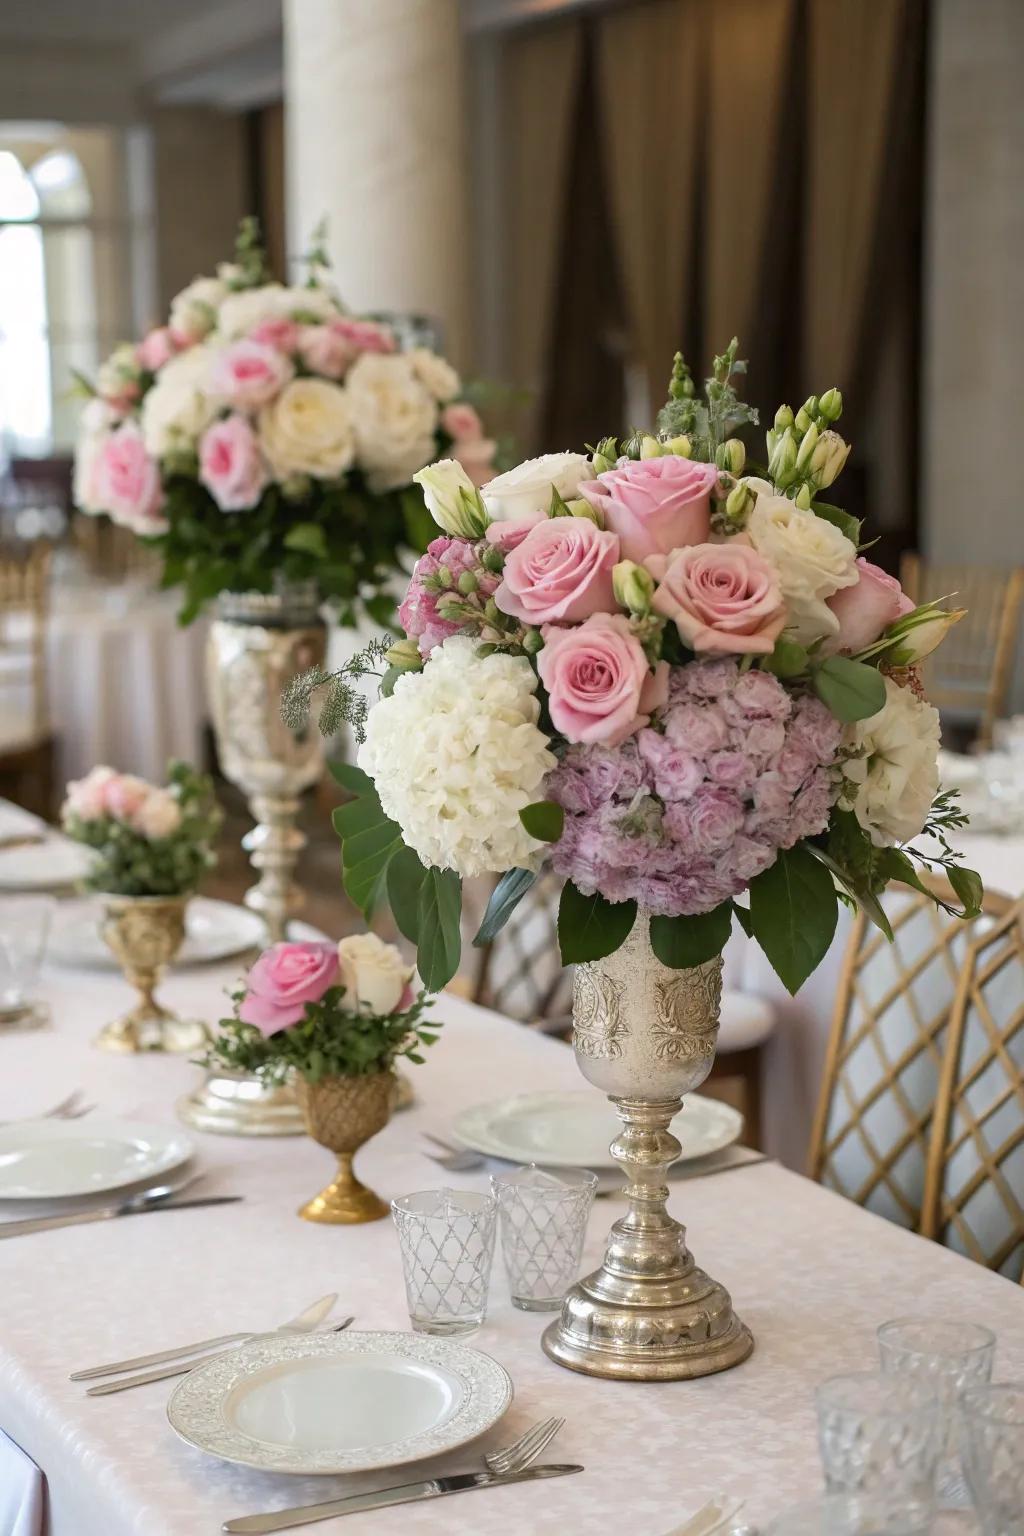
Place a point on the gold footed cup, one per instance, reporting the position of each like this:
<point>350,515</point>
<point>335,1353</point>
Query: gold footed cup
<point>645,1035</point>
<point>342,1113</point>
<point>145,933</point>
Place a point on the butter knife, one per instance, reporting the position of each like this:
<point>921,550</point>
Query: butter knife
<point>106,1213</point>
<point>405,1493</point>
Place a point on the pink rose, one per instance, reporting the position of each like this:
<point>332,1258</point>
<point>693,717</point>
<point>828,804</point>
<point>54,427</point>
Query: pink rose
<point>476,455</point>
<point>156,348</point>
<point>124,795</point>
<point>655,505</point>
<point>326,350</point>
<point>725,599</point>
<point>248,374</point>
<point>284,979</point>
<point>86,798</point>
<point>595,677</point>
<point>231,465</point>
<point>510,534</point>
<point>364,335</point>
<point>461,422</point>
<point>127,481</point>
<point>866,609</point>
<point>560,572</point>
<point>276,331</point>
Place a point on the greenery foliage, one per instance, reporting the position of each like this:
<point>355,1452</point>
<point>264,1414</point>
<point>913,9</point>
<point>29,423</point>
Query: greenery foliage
<point>128,864</point>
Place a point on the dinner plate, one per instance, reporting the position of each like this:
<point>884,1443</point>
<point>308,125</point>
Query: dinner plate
<point>55,1159</point>
<point>214,930</point>
<point>330,1403</point>
<point>575,1129</point>
<point>48,866</point>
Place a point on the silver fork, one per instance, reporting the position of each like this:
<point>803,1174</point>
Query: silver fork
<point>71,1108</point>
<point>514,1457</point>
<point>455,1159</point>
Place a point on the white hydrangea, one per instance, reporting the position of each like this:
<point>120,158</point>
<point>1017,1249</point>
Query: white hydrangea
<point>456,754</point>
<point>891,776</point>
<point>812,558</point>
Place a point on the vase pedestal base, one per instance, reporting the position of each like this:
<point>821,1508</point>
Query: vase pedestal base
<point>238,1104</point>
<point>153,1029</point>
<point>346,1201</point>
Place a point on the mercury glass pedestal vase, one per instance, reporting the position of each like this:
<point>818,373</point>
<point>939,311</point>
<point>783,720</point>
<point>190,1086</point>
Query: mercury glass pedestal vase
<point>341,1113</point>
<point>145,933</point>
<point>645,1035</point>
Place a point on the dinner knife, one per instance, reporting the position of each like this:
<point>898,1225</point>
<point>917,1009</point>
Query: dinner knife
<point>405,1493</point>
<point>182,1367</point>
<point>79,1218</point>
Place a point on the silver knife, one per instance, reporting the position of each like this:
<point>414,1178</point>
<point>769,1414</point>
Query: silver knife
<point>305,1321</point>
<point>182,1367</point>
<point>79,1218</point>
<point>406,1493</point>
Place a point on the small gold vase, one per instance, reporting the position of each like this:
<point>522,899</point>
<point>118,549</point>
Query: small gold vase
<point>145,933</point>
<point>341,1113</point>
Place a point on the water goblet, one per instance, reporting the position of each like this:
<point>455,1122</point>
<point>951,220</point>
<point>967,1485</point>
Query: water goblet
<point>24,932</point>
<point>447,1241</point>
<point>543,1218</point>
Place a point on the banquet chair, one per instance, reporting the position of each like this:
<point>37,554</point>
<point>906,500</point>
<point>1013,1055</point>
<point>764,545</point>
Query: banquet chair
<point>884,1058</point>
<point>521,974</point>
<point>26,738</point>
<point>974,1196</point>
<point>968,678</point>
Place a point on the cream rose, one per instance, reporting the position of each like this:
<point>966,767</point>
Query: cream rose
<point>525,492</point>
<point>435,374</point>
<point>178,408</point>
<point>243,311</point>
<point>374,974</point>
<point>394,417</point>
<point>891,773</point>
<point>812,558</point>
<point>194,310</point>
<point>307,430</point>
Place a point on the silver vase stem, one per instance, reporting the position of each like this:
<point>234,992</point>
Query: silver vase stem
<point>274,846</point>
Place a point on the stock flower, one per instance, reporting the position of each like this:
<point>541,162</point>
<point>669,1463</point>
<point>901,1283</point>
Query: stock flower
<point>525,492</point>
<point>418,613</point>
<point>479,758</point>
<point>596,675</point>
<point>284,979</point>
<point>307,430</point>
<point>375,976</point>
<point>724,599</point>
<point>231,465</point>
<point>655,505</point>
<point>812,558</point>
<point>126,481</point>
<point>560,572</point>
<point>891,770</point>
<point>247,374</point>
<point>867,608</point>
<point>394,418</point>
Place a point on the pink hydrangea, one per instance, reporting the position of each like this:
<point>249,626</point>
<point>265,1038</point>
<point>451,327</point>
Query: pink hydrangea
<point>685,814</point>
<point>418,613</point>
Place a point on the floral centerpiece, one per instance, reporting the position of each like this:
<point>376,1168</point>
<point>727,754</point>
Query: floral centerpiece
<point>265,434</point>
<point>152,845</point>
<point>337,1018</point>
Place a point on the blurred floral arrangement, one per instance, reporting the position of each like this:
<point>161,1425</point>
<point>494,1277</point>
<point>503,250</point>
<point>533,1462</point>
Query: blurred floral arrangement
<point>670,680</point>
<point>264,433</point>
<point>149,841</point>
<point>325,1010</point>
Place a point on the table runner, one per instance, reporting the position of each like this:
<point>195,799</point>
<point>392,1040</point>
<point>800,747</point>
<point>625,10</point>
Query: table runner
<point>811,1274</point>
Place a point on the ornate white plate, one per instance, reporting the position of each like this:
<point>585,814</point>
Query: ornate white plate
<point>51,866</point>
<point>214,930</point>
<point>56,1159</point>
<point>575,1130</point>
<point>335,1403</point>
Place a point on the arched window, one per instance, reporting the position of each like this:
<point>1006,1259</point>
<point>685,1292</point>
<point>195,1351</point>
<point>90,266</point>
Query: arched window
<point>26,418</point>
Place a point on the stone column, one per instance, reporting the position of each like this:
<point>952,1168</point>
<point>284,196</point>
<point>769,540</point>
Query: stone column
<point>374,112</point>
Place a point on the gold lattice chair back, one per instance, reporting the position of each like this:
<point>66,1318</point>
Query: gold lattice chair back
<point>969,675</point>
<point>24,605</point>
<point>873,1123</point>
<point>521,973</point>
<point>974,1201</point>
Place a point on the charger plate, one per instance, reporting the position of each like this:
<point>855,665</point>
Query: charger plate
<point>333,1403</point>
<point>59,1159</point>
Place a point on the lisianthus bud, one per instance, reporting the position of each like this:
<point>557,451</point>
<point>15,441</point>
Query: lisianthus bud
<point>581,507</point>
<point>782,465</point>
<point>783,418</point>
<point>739,504</point>
<point>493,559</point>
<point>831,404</point>
<point>452,499</point>
<point>650,448</point>
<point>916,640</point>
<point>807,447</point>
<point>680,446</point>
<point>802,420</point>
<point>802,499</point>
<point>405,656</point>
<point>633,586</point>
<point>533,641</point>
<point>731,456</point>
<point>605,455</point>
<point>829,456</point>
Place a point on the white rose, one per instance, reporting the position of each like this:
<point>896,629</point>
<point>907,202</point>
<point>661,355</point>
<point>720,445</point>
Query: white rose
<point>177,409</point>
<point>526,490</point>
<point>373,973</point>
<point>159,815</point>
<point>194,309</point>
<point>452,499</point>
<point>395,419</point>
<point>307,430</point>
<point>241,312</point>
<point>435,373</point>
<point>892,774</point>
<point>811,557</point>
<point>119,373</point>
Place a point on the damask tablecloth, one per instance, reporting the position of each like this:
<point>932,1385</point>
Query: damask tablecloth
<point>812,1275</point>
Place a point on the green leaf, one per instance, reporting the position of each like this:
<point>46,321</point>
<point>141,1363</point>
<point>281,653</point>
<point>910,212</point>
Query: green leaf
<point>352,778</point>
<point>844,521</point>
<point>968,885</point>
<point>685,941</point>
<point>440,939</point>
<point>365,859</point>
<point>405,878</point>
<point>793,912</point>
<point>742,916</point>
<point>307,539</point>
<point>865,899</point>
<point>543,820</point>
<point>505,897</point>
<point>590,927</point>
<point>851,689</point>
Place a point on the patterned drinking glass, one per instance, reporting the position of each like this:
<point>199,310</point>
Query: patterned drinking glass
<point>24,931</point>
<point>543,1217</point>
<point>993,1444</point>
<point>881,1438</point>
<point>447,1242</point>
<point>850,1514</point>
<point>947,1357</point>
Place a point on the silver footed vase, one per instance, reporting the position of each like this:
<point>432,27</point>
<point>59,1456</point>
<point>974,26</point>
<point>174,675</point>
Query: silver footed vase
<point>645,1035</point>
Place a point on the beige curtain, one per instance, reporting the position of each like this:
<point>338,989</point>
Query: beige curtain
<point>853,57</point>
<point>649,77</point>
<point>540,74</point>
<point>751,44</point>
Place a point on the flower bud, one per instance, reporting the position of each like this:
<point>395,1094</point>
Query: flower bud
<point>633,586</point>
<point>404,656</point>
<point>811,406</point>
<point>445,577</point>
<point>493,559</point>
<point>452,499</point>
<point>783,460</point>
<point>829,456</point>
<point>581,507</point>
<point>831,404</point>
<point>492,613</point>
<point>650,448</point>
<point>605,455</point>
<point>680,446</point>
<point>467,583</point>
<point>739,504</point>
<point>807,446</point>
<point>533,641</point>
<point>483,651</point>
<point>802,421</point>
<point>802,499</point>
<point>918,640</point>
<point>783,418</point>
<point>296,487</point>
<point>731,456</point>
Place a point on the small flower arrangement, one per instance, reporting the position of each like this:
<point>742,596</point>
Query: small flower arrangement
<point>265,433</point>
<point>325,1010</point>
<point>148,840</point>
<point>674,682</point>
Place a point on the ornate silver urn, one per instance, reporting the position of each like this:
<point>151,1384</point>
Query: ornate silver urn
<point>645,1035</point>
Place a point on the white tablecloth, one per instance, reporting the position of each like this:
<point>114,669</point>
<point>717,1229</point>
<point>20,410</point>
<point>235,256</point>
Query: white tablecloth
<point>811,1274</point>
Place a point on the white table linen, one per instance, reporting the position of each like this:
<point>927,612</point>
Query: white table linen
<point>811,1274</point>
<point>22,1492</point>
